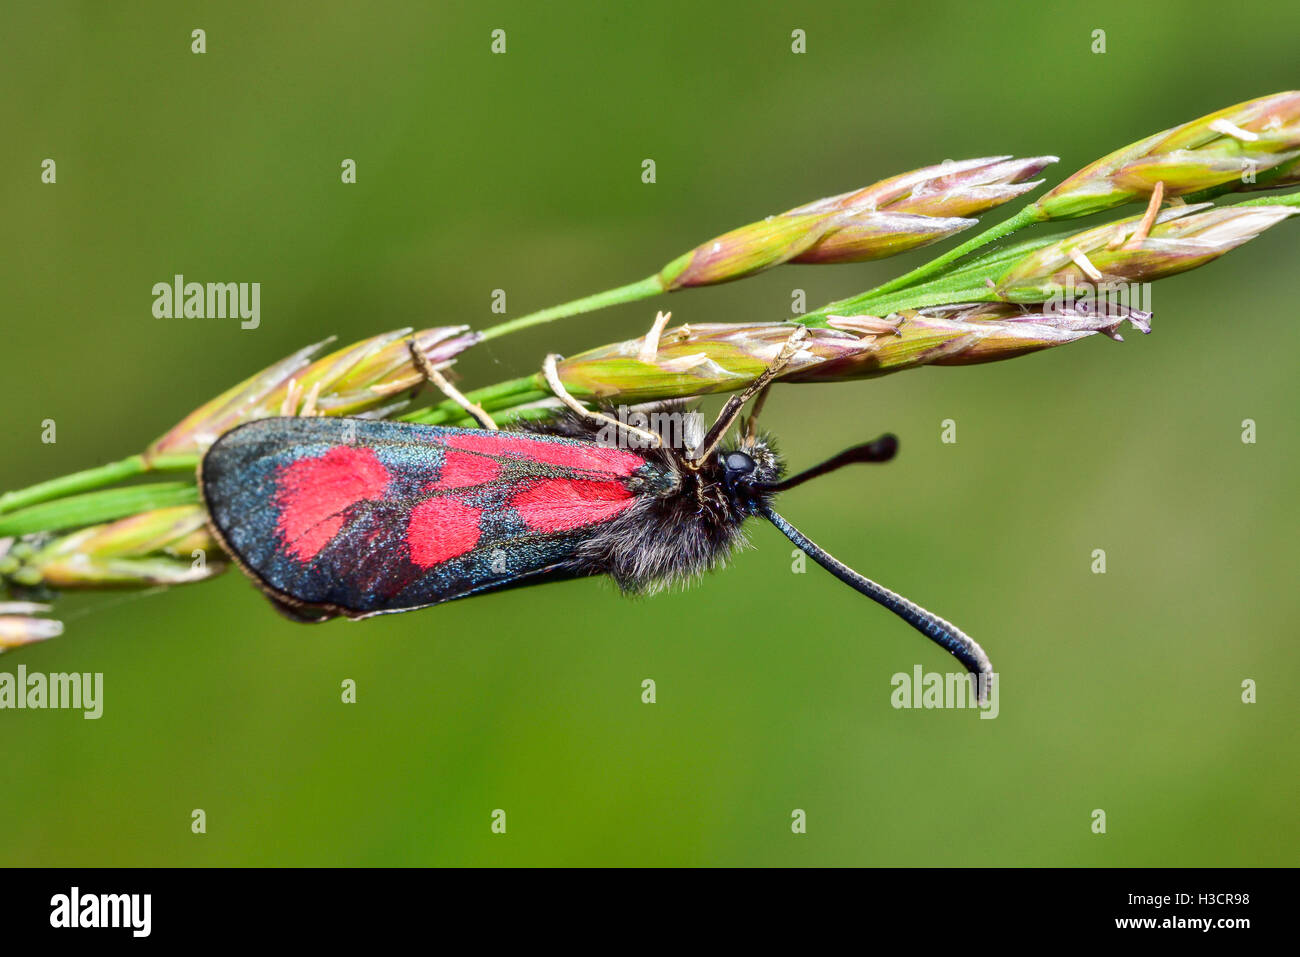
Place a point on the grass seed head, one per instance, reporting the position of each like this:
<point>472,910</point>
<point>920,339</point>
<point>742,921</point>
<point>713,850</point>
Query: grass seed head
<point>359,379</point>
<point>1183,238</point>
<point>166,546</point>
<point>966,334</point>
<point>963,188</point>
<point>1236,143</point>
<point>893,216</point>
<point>707,358</point>
<point>19,627</point>
<point>693,360</point>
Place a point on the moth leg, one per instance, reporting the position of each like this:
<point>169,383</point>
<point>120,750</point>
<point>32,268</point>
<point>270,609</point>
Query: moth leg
<point>737,402</point>
<point>751,423</point>
<point>450,391</point>
<point>553,381</point>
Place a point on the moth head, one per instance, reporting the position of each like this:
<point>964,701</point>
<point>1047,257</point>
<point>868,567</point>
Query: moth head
<point>750,467</point>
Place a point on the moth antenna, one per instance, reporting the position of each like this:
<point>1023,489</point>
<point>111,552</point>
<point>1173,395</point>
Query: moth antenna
<point>878,450</point>
<point>948,636</point>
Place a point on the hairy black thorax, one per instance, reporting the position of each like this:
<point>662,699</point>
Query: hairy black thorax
<point>685,520</point>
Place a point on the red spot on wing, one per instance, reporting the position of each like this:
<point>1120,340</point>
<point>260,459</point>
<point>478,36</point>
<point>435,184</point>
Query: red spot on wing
<point>465,469</point>
<point>313,494</point>
<point>442,528</point>
<point>588,456</point>
<point>557,505</point>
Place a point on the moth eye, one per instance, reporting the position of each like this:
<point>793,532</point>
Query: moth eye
<point>738,465</point>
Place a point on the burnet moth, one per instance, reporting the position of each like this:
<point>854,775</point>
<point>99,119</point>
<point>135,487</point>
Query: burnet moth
<point>359,517</point>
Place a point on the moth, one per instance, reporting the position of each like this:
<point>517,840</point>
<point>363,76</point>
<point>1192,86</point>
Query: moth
<point>343,517</point>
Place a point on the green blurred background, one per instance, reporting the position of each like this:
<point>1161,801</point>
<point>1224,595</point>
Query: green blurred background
<point>1120,691</point>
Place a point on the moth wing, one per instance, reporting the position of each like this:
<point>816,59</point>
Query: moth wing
<point>361,517</point>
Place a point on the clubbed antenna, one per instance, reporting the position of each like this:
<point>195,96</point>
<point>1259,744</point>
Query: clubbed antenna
<point>948,636</point>
<point>878,450</point>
